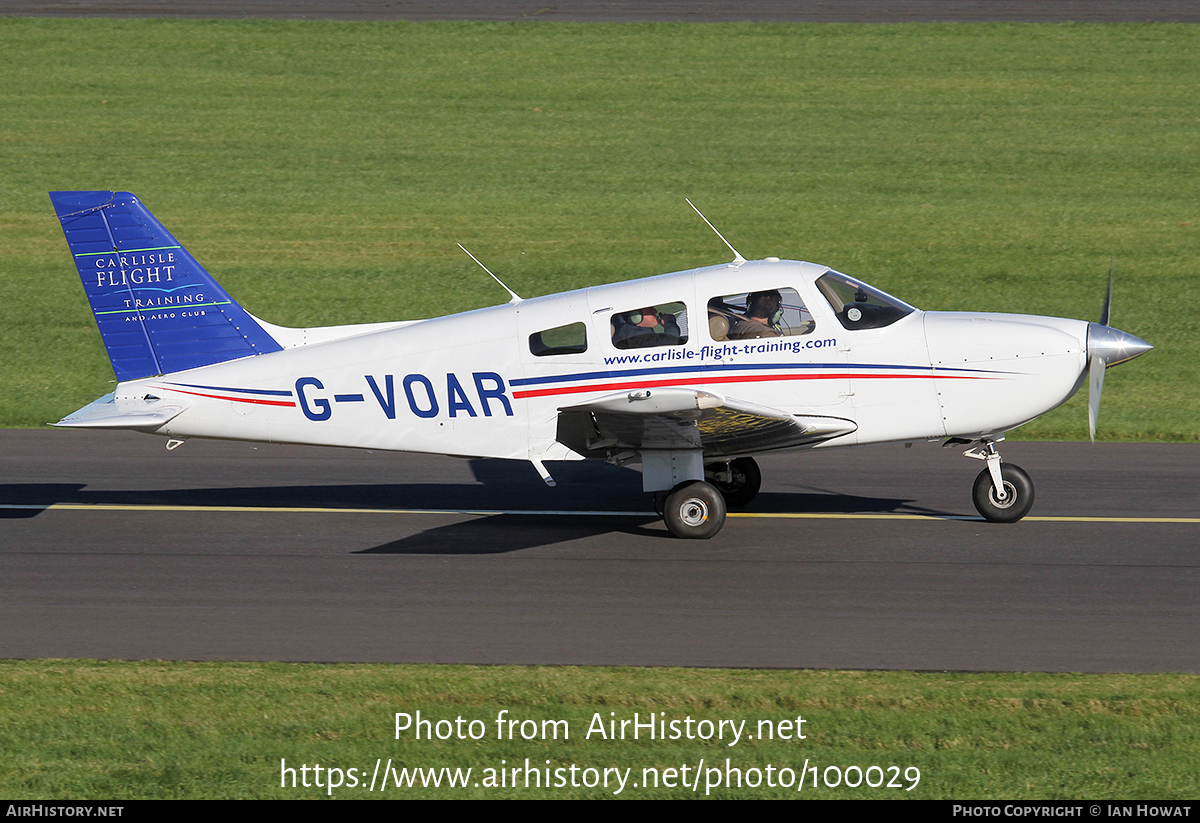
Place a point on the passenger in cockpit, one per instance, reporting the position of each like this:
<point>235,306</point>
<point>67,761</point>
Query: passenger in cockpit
<point>646,327</point>
<point>764,311</point>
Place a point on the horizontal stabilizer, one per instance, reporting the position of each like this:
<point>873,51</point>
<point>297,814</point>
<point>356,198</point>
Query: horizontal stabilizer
<point>158,310</point>
<point>109,413</point>
<point>688,419</point>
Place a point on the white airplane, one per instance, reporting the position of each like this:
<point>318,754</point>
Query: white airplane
<point>687,373</point>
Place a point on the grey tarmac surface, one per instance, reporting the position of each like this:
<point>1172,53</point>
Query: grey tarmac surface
<point>845,586</point>
<point>701,11</point>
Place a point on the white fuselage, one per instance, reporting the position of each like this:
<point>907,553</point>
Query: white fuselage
<point>469,384</point>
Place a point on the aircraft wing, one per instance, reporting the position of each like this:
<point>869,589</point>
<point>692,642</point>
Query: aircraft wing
<point>684,419</point>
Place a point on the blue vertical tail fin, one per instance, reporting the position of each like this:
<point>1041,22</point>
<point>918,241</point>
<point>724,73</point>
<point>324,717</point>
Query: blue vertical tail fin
<point>158,310</point>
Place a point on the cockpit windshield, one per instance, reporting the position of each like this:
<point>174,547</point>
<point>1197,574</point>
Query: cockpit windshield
<point>859,306</point>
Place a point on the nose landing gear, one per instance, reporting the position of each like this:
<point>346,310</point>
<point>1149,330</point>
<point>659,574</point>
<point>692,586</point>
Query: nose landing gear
<point>1003,492</point>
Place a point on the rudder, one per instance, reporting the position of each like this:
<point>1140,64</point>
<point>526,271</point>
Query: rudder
<point>158,310</point>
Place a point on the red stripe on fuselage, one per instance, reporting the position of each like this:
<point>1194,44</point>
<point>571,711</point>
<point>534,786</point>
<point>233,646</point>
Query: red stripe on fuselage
<point>238,399</point>
<point>703,381</point>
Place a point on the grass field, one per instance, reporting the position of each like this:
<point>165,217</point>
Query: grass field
<point>80,729</point>
<point>324,171</point>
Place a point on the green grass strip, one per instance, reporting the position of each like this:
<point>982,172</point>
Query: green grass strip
<point>126,730</point>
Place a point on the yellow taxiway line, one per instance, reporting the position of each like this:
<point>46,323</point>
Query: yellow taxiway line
<point>138,507</point>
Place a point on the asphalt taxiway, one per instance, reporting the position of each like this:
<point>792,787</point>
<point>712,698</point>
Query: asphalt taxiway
<point>112,547</point>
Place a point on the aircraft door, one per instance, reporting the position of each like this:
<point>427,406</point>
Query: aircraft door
<point>776,346</point>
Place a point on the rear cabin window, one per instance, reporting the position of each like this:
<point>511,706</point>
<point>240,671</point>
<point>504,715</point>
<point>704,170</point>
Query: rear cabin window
<point>569,339</point>
<point>751,315</point>
<point>661,325</point>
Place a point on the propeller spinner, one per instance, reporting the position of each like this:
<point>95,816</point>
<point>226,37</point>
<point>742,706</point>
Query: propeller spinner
<point>1106,347</point>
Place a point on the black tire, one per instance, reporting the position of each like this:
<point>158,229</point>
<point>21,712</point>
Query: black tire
<point>1020,495</point>
<point>694,510</point>
<point>744,484</point>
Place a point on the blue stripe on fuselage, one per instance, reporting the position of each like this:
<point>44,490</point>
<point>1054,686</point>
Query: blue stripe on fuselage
<point>274,392</point>
<point>717,367</point>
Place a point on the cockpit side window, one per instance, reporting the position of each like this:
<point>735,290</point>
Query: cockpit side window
<point>750,315</point>
<point>569,339</point>
<point>661,325</point>
<point>859,306</point>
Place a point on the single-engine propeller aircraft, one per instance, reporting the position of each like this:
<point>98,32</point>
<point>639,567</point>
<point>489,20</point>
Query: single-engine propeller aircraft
<point>688,373</point>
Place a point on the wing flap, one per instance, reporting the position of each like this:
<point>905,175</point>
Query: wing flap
<point>678,418</point>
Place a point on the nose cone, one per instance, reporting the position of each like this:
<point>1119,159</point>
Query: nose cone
<point>1113,346</point>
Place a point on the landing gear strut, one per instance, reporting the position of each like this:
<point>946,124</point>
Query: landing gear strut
<point>738,480</point>
<point>1003,492</point>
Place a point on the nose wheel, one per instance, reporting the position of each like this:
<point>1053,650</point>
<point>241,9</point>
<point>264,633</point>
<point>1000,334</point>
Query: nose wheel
<point>694,510</point>
<point>1003,492</point>
<point>1017,499</point>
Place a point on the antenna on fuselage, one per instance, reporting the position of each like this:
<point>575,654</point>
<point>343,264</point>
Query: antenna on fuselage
<point>516,298</point>
<point>737,258</point>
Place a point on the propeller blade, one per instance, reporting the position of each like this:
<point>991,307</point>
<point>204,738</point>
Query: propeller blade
<point>1095,388</point>
<point>1108,298</point>
<point>1106,347</point>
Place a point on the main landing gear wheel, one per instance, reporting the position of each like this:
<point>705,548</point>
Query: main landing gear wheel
<point>694,510</point>
<point>1018,490</point>
<point>745,480</point>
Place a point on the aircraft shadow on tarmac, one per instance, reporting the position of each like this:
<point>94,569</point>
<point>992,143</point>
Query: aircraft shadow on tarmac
<point>501,533</point>
<point>500,486</point>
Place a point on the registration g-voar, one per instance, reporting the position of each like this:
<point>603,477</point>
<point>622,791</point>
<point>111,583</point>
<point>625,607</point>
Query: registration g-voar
<point>688,373</point>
